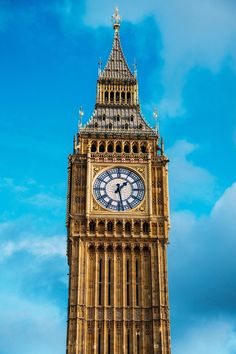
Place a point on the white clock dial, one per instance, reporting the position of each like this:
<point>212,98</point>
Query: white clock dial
<point>119,189</point>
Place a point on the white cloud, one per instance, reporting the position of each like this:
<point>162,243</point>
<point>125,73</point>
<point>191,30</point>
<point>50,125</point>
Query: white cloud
<point>38,246</point>
<point>10,184</point>
<point>39,327</point>
<point>194,33</point>
<point>202,260</point>
<point>44,200</point>
<point>188,182</point>
<point>212,337</point>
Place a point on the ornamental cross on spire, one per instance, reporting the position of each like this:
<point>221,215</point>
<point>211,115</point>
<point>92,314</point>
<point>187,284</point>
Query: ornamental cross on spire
<point>116,18</point>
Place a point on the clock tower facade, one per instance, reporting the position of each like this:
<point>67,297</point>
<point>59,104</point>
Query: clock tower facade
<point>117,223</point>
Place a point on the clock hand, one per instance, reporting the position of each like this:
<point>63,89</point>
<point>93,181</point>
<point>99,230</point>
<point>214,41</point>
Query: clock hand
<point>117,188</point>
<point>121,202</point>
<point>124,184</point>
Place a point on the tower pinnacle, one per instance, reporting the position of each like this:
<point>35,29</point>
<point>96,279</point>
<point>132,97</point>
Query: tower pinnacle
<point>116,19</point>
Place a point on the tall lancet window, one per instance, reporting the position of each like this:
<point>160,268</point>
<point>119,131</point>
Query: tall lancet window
<point>128,342</point>
<point>137,282</point>
<point>128,282</point>
<point>109,342</point>
<point>109,283</point>
<point>99,342</point>
<point>100,283</point>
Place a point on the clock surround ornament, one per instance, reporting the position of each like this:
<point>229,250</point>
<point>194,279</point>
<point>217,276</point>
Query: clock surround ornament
<point>119,189</point>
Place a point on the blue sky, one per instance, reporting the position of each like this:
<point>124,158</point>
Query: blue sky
<point>186,56</point>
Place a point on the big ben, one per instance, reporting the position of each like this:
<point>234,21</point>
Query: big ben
<point>117,223</point>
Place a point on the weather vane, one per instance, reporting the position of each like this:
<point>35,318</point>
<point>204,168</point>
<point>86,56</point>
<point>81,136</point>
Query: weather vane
<point>81,113</point>
<point>116,18</point>
<point>155,116</point>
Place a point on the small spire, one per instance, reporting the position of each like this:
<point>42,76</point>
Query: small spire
<point>116,19</point>
<point>135,69</point>
<point>99,66</point>
<point>162,146</point>
<point>81,113</point>
<point>155,116</point>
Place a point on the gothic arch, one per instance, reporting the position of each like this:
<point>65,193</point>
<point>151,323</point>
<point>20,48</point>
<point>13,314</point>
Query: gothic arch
<point>110,147</point>
<point>102,146</point>
<point>94,146</point>
<point>118,147</point>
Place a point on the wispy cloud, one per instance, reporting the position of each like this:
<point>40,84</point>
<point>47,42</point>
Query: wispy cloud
<point>35,245</point>
<point>194,34</point>
<point>44,200</point>
<point>208,337</point>
<point>189,182</point>
<point>198,247</point>
<point>39,326</point>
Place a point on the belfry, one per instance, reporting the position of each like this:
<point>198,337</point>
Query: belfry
<point>117,223</point>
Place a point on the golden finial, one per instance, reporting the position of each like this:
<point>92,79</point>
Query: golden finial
<point>116,18</point>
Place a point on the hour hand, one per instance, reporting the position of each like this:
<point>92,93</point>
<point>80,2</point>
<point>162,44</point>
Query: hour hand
<point>124,184</point>
<point>117,188</point>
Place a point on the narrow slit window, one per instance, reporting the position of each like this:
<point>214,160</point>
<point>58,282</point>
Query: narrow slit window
<point>109,282</point>
<point>127,283</point>
<point>128,343</point>
<point>99,343</point>
<point>138,343</point>
<point>100,283</point>
<point>109,343</point>
<point>137,283</point>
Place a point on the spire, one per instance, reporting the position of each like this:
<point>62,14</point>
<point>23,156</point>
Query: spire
<point>116,67</point>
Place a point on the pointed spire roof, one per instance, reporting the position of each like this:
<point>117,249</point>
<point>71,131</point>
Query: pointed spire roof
<point>116,67</point>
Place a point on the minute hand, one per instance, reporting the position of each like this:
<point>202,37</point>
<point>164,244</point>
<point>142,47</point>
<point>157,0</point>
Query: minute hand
<point>121,202</point>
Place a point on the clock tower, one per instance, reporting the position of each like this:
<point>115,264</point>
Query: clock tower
<point>117,223</point>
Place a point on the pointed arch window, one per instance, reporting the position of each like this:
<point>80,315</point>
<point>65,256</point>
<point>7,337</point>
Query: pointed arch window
<point>117,96</point>
<point>101,147</point>
<point>135,149</point>
<point>92,226</point>
<point>145,228</point>
<point>128,97</point>
<point>111,96</point>
<point>93,147</point>
<point>128,227</point>
<point>118,147</point>
<point>101,227</point>
<point>110,226</point>
<point>106,96</point>
<point>110,147</point>
<point>143,149</point>
<point>123,97</point>
<point>126,148</point>
<point>119,228</point>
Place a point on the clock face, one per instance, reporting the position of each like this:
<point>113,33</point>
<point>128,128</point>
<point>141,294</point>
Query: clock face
<point>119,189</point>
